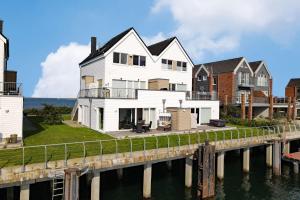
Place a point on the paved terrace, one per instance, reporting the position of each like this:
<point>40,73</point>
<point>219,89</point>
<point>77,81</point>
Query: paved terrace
<point>42,163</point>
<point>154,132</point>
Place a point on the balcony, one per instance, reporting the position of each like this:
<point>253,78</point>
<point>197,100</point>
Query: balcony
<point>11,89</point>
<point>131,93</point>
<point>195,95</point>
<point>108,93</point>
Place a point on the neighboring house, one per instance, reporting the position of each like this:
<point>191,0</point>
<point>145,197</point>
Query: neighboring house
<point>125,81</point>
<point>233,77</point>
<point>293,88</point>
<point>11,100</point>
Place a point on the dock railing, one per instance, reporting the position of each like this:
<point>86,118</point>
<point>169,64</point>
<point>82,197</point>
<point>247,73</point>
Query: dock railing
<point>23,156</point>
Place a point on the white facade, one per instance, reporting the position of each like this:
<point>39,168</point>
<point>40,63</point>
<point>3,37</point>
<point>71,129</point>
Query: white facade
<point>92,112</point>
<point>11,116</point>
<point>11,101</point>
<point>3,42</point>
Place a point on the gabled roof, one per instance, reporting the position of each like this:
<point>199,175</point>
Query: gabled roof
<point>294,82</point>
<point>198,68</point>
<point>102,50</point>
<point>154,49</point>
<point>222,66</point>
<point>159,47</point>
<point>254,65</point>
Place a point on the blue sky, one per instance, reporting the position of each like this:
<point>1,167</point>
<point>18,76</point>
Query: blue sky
<point>208,31</point>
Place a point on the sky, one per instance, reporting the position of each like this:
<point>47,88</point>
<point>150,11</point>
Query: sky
<point>49,38</point>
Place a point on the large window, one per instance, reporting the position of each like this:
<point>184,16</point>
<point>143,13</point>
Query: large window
<point>262,80</point>
<point>243,78</point>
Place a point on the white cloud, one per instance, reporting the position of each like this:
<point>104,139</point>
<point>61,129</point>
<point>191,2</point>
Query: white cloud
<point>215,26</point>
<point>60,72</point>
<point>154,39</point>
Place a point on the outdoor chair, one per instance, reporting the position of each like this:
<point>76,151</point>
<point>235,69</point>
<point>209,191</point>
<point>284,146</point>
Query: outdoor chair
<point>133,126</point>
<point>147,128</point>
<point>139,128</point>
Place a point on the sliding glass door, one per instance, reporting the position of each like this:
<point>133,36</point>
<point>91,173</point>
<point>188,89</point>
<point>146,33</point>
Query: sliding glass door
<point>126,118</point>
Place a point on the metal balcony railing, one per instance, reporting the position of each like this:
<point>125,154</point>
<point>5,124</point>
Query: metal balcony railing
<point>10,88</point>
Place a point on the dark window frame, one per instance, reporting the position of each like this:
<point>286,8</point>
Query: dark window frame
<point>116,55</point>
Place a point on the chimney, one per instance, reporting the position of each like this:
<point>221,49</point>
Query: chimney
<point>1,26</point>
<point>93,44</point>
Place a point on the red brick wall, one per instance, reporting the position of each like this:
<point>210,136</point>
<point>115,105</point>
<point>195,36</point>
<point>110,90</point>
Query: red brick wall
<point>270,87</point>
<point>226,84</point>
<point>290,91</point>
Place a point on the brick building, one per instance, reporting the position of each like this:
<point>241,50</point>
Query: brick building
<point>233,78</point>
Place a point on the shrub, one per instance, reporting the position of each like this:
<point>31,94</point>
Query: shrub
<point>51,115</point>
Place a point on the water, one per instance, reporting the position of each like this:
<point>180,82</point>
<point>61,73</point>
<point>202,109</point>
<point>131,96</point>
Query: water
<point>169,184</point>
<point>38,102</point>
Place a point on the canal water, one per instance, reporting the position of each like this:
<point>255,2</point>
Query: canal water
<point>168,184</point>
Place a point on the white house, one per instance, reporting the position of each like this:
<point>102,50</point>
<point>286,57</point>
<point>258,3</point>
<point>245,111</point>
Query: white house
<point>11,100</point>
<point>125,81</point>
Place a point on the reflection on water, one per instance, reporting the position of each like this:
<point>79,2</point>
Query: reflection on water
<point>168,184</point>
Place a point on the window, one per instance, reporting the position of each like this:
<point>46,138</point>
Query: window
<point>169,64</point>
<point>172,87</point>
<point>179,66</point>
<point>123,58</point>
<point>135,60</point>
<point>202,78</point>
<point>262,80</point>
<point>215,79</point>
<point>142,61</point>
<point>164,64</point>
<point>184,66</point>
<point>116,58</point>
<point>244,78</point>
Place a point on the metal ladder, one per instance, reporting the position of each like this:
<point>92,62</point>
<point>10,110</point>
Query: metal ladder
<point>58,184</point>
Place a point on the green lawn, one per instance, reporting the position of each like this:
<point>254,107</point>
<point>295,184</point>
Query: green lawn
<point>59,134</point>
<point>55,134</point>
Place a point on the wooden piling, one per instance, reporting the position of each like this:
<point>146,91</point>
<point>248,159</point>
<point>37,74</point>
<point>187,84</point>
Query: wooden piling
<point>271,105</point>
<point>243,107</point>
<point>250,107</point>
<point>72,184</point>
<point>289,109</point>
<point>206,171</point>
